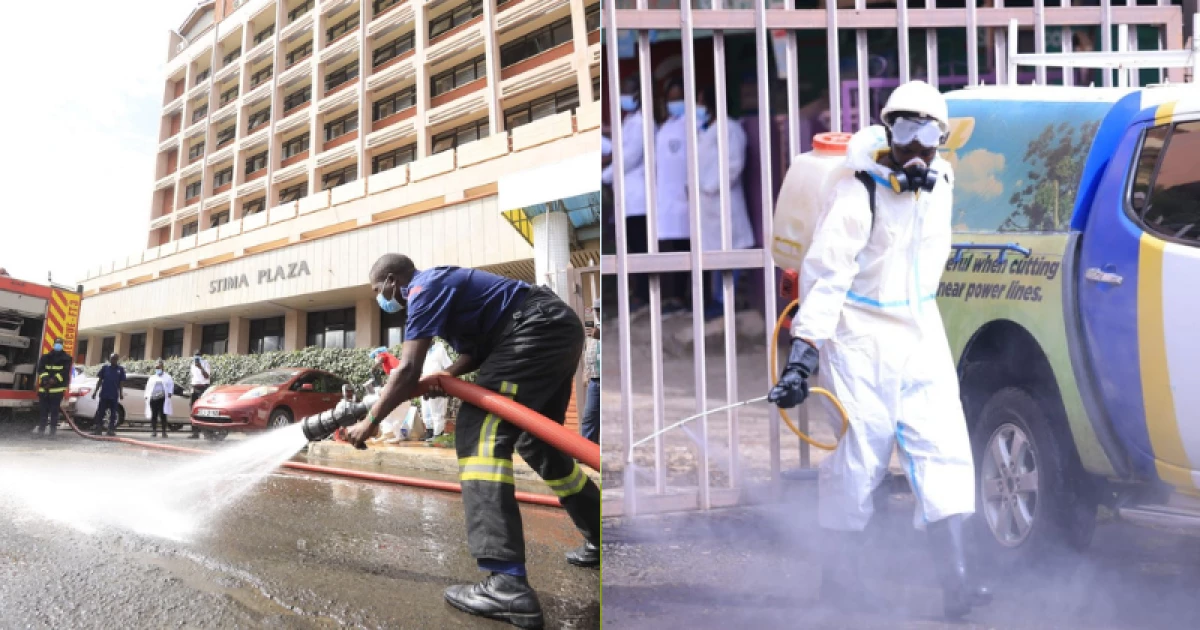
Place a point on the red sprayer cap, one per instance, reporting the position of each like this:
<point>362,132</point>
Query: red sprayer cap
<point>831,142</point>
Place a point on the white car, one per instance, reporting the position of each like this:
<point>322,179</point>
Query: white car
<point>131,409</point>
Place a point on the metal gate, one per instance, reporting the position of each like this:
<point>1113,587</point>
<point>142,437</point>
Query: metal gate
<point>851,106</point>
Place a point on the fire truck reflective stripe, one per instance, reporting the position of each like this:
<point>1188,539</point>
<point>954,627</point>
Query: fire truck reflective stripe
<point>1157,397</point>
<point>57,299</point>
<point>62,317</point>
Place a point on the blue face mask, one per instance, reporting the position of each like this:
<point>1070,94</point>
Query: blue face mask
<point>675,108</point>
<point>158,371</point>
<point>389,305</point>
<point>58,346</point>
<point>628,102</point>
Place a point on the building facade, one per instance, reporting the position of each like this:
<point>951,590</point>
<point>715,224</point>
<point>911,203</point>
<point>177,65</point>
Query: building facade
<point>301,139</point>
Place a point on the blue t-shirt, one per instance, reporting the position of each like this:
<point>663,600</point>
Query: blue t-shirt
<point>458,305</point>
<point>110,381</point>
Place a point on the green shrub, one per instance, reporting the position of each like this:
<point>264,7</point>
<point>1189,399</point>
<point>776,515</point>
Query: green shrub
<point>353,365</point>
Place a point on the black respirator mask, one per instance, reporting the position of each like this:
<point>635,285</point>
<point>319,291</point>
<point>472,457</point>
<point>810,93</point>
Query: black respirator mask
<point>915,177</point>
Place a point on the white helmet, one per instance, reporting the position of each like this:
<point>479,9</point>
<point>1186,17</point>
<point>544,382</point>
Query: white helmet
<point>917,97</point>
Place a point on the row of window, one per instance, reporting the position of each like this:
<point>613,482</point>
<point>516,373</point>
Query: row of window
<point>341,28</point>
<point>345,74</point>
<point>225,136</point>
<point>458,76</point>
<point>339,177</point>
<point>513,52</point>
<point>326,329</point>
<point>297,98</point>
<point>300,10</point>
<point>549,105</point>
<point>262,75</point>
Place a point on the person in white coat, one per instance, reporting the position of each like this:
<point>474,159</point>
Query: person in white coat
<point>633,152</point>
<point>670,177</point>
<point>159,389</point>
<point>710,193</point>
<point>868,284</point>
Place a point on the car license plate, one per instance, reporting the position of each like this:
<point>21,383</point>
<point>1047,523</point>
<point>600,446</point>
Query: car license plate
<point>208,413</point>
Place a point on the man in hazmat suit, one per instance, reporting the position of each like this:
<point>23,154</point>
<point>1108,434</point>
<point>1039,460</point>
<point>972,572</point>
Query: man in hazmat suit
<point>868,319</point>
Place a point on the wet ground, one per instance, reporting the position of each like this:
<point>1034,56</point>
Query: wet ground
<point>758,567</point>
<point>301,551</point>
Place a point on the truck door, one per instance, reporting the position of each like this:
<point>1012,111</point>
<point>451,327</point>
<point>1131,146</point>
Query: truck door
<point>1139,297</point>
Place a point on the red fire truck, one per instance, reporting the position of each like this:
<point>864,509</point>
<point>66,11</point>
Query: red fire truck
<point>31,316</point>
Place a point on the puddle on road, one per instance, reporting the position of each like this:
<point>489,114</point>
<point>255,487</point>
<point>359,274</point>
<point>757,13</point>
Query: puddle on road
<point>162,498</point>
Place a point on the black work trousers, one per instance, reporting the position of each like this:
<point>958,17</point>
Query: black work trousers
<point>533,361</point>
<point>156,412</point>
<point>197,392</point>
<point>48,405</point>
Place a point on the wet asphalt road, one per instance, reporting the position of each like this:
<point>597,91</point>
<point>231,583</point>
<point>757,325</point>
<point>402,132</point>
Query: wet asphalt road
<point>301,551</point>
<point>758,568</point>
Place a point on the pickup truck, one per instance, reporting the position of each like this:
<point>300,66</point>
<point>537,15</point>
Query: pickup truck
<point>1067,300</point>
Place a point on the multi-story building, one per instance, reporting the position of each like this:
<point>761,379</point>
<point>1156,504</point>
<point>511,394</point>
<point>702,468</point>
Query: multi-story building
<point>301,139</point>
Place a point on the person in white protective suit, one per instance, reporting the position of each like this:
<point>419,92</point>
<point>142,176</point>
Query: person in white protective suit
<point>433,409</point>
<point>868,287</point>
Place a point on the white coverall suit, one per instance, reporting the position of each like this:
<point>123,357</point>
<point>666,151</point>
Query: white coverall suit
<point>869,304</point>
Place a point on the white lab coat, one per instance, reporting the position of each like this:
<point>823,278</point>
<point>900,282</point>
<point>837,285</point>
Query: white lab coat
<point>710,188</point>
<point>670,155</point>
<point>633,154</point>
<point>868,301</point>
<point>168,384</point>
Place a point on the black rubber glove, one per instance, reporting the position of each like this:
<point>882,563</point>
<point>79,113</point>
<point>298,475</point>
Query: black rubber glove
<point>792,388</point>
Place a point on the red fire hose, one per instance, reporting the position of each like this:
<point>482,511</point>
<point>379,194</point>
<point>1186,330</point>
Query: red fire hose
<point>554,434</point>
<point>543,428</point>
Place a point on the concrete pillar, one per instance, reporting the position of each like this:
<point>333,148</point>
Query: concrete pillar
<point>583,67</point>
<point>191,339</point>
<point>366,323</point>
<point>552,252</point>
<point>295,330</point>
<point>424,141</point>
<point>93,350</point>
<point>153,343</point>
<point>239,335</point>
<point>492,64</point>
<point>121,345</point>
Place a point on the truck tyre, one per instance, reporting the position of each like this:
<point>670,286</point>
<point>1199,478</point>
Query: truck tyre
<point>1024,507</point>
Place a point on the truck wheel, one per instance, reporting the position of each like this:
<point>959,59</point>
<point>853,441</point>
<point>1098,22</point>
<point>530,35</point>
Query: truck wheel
<point>1023,502</point>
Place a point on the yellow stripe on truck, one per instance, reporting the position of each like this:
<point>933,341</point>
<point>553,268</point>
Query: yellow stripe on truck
<point>1161,423</point>
<point>1164,113</point>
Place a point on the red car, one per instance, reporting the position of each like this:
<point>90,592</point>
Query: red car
<point>267,400</point>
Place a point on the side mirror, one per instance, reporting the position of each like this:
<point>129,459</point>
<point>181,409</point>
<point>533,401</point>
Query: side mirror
<point>307,387</point>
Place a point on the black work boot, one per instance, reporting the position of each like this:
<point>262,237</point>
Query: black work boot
<point>960,592</point>
<point>586,556</point>
<point>97,429</point>
<point>499,596</point>
<point>841,582</point>
<point>428,434</point>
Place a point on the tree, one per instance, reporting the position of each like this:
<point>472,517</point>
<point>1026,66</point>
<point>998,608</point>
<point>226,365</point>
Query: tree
<point>1056,158</point>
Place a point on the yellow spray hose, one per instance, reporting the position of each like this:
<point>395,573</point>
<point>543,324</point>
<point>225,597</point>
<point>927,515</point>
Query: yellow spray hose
<point>815,390</point>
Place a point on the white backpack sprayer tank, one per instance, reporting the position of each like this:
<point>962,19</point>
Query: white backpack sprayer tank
<point>803,196</point>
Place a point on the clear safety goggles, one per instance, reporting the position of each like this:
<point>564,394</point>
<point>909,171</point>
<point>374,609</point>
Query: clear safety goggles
<point>925,132</point>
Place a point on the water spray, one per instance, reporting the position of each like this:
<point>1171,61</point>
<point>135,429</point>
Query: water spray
<point>782,412</point>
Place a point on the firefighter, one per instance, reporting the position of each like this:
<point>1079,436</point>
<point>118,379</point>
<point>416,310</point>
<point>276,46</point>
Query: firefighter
<point>53,378</point>
<point>525,343</point>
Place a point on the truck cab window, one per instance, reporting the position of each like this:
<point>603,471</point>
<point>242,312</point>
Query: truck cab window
<point>1171,206</point>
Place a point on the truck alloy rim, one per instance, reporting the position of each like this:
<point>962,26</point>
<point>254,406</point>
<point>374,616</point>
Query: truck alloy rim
<point>1008,485</point>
